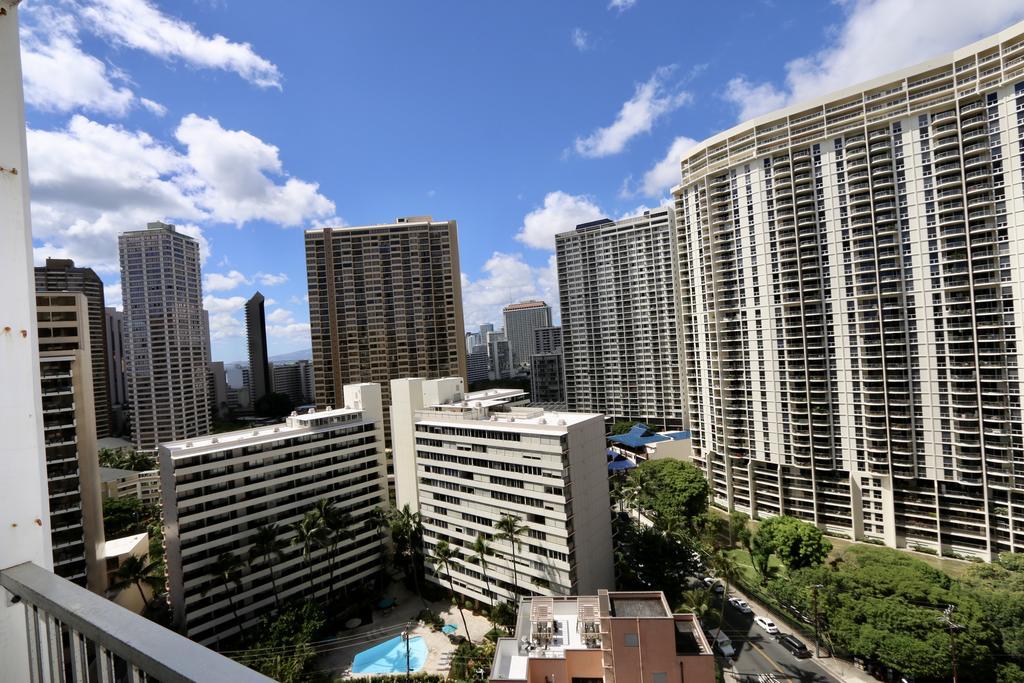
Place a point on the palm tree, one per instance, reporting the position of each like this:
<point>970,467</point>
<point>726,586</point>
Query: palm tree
<point>310,535</point>
<point>134,571</point>
<point>407,533</point>
<point>378,521</point>
<point>335,524</point>
<point>482,549</point>
<point>698,601</point>
<point>511,528</point>
<point>727,571</point>
<point>227,568</point>
<point>268,547</point>
<point>443,556</point>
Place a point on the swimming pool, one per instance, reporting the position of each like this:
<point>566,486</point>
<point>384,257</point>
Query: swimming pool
<point>389,657</point>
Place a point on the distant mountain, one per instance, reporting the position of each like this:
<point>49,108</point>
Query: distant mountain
<point>302,354</point>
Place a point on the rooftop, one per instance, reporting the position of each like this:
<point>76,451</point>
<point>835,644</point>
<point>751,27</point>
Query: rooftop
<point>641,435</point>
<point>120,546</point>
<point>108,474</point>
<point>524,305</point>
<point>297,423</point>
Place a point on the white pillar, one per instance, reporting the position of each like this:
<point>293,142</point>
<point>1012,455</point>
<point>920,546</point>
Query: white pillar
<point>24,506</point>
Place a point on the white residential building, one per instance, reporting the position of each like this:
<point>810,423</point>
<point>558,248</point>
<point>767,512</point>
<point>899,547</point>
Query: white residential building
<point>463,461</point>
<point>218,490</point>
<point>620,349</point>
<point>851,314</point>
<point>521,319</point>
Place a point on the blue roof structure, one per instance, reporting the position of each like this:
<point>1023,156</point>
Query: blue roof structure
<point>641,435</point>
<point>619,465</point>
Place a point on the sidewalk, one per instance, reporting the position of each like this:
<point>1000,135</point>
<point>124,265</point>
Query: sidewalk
<point>840,669</point>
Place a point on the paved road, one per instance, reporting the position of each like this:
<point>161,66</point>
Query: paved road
<point>759,656</point>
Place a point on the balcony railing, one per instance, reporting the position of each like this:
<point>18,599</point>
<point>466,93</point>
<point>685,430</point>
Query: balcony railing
<point>75,635</point>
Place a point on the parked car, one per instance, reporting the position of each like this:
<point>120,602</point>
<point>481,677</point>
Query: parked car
<point>741,605</point>
<point>793,644</point>
<point>724,645</point>
<point>767,625</point>
<point>714,584</point>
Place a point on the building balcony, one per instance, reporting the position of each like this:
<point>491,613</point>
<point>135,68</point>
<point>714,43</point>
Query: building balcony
<point>72,634</point>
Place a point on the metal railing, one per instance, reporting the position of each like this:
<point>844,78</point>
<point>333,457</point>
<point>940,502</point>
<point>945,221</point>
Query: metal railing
<point>75,635</point>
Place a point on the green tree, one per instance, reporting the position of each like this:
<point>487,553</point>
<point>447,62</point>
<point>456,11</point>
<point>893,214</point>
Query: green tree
<point>726,571</point>
<point>472,662</point>
<point>443,556</point>
<point>227,570</point>
<point>266,549</point>
<point>283,648</point>
<point>698,601</point>
<point>127,516</point>
<point>884,606</point>
<point>622,426</point>
<point>672,488</point>
<point>336,525</point>
<point>510,528</point>
<point>126,459</point>
<point>738,522</point>
<point>135,571</point>
<point>407,537</point>
<point>481,548</point>
<point>273,404</point>
<point>379,522</point>
<point>309,535</point>
<point>796,543</point>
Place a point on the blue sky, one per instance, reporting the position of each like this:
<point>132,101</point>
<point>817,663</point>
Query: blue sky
<point>245,122</point>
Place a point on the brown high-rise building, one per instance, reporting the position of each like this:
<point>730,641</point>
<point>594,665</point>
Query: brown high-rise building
<point>61,275</point>
<point>167,335</point>
<point>69,419</point>
<point>385,302</point>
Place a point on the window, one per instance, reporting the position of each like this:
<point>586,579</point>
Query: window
<point>659,677</point>
<point>632,640</point>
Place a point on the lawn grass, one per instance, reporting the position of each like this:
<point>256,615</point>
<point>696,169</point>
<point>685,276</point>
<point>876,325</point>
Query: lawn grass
<point>749,575</point>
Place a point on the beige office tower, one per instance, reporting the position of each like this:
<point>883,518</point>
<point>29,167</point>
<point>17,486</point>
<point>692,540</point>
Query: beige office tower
<point>521,319</point>
<point>166,339</point>
<point>69,427</point>
<point>385,301</point>
<point>616,282</point>
<point>61,275</point>
<point>851,271</point>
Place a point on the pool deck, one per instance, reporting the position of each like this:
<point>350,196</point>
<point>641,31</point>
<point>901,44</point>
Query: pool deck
<point>388,624</point>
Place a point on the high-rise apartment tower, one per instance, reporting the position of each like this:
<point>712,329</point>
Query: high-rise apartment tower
<point>618,298</point>
<point>166,337</point>
<point>256,334</point>
<point>61,275</point>
<point>521,320</point>
<point>385,301</point>
<point>69,426</point>
<point>851,306</point>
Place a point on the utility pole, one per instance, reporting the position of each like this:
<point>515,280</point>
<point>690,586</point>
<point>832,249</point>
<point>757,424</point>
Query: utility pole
<point>405,637</point>
<point>946,619</point>
<point>814,590</point>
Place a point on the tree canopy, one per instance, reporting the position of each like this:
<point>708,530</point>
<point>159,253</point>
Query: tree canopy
<point>671,489</point>
<point>796,543</point>
<point>885,606</point>
<point>126,459</point>
<point>622,426</point>
<point>127,516</point>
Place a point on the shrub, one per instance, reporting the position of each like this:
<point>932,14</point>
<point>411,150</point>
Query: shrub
<point>431,619</point>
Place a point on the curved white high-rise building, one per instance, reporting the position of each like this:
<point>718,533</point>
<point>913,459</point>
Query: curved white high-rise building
<point>852,298</point>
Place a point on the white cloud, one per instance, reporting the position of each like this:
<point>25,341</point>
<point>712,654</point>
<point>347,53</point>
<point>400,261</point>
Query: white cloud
<point>138,24</point>
<point>580,39</point>
<point>271,279</point>
<point>121,179</point>
<point>664,174</point>
<point>876,36</point>
<point>232,166</point>
<point>621,5</point>
<point>651,100</point>
<point>269,302</point>
<point>224,282</point>
<point>754,99</point>
<point>294,334</point>
<point>154,107</point>
<point>280,315</point>
<point>506,278</point>
<point>220,305</point>
<point>112,296</point>
<point>59,76</point>
<point>561,212</point>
